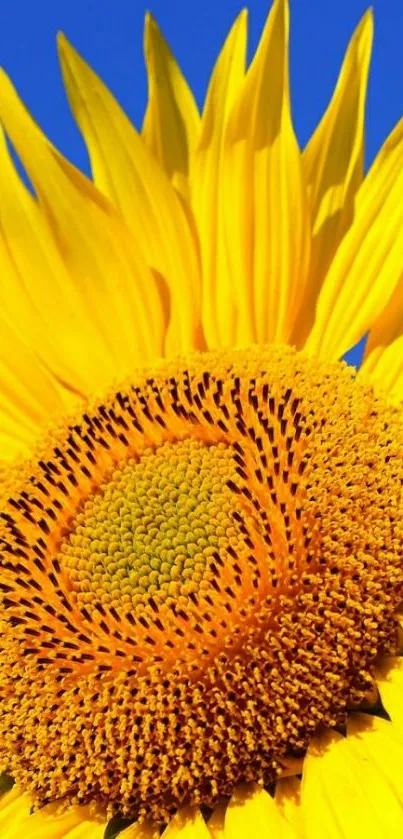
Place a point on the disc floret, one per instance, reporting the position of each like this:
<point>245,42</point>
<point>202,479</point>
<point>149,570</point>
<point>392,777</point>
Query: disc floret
<point>197,572</point>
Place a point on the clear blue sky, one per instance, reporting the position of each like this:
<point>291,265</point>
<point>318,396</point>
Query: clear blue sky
<point>109,35</point>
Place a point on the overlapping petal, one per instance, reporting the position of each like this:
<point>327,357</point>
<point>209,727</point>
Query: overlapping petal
<point>14,809</point>
<point>368,263</point>
<point>30,397</point>
<point>127,172</point>
<point>96,289</point>
<point>207,168</point>
<point>216,822</point>
<point>345,791</point>
<point>171,123</point>
<point>199,233</point>
<point>389,678</point>
<point>36,290</point>
<point>145,830</point>
<point>383,357</point>
<point>287,798</point>
<point>188,823</point>
<point>264,204</point>
<point>252,811</point>
<point>334,168</point>
<point>16,820</point>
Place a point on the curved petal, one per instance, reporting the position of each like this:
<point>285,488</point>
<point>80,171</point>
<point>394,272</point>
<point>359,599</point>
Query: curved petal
<point>368,264</point>
<point>14,809</point>
<point>171,123</point>
<point>389,678</point>
<point>379,743</point>
<point>264,202</point>
<point>188,823</point>
<point>344,793</point>
<point>288,799</point>
<point>85,830</point>
<point>218,310</point>
<point>253,812</point>
<point>385,368</point>
<point>11,448</point>
<point>32,271</point>
<point>16,821</point>
<point>216,822</point>
<point>333,164</point>
<point>126,171</point>
<point>140,831</point>
<point>109,311</point>
<point>30,397</point>
<point>383,357</point>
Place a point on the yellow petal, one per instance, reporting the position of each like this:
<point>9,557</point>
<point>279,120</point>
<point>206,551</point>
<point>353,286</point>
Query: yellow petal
<point>187,824</point>
<point>385,369</point>
<point>35,289</point>
<point>14,808</point>
<point>171,122</point>
<point>253,812</point>
<point>288,799</point>
<point>389,678</point>
<point>217,821</point>
<point>85,830</point>
<point>140,831</point>
<point>218,299</point>
<point>126,171</point>
<point>379,743</point>
<point>29,396</point>
<point>76,823</point>
<point>10,449</point>
<point>333,164</point>
<point>344,794</point>
<point>114,317</point>
<point>367,265</point>
<point>383,357</point>
<point>264,202</point>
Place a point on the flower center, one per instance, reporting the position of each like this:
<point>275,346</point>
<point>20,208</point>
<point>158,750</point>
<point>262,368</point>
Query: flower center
<point>154,526</point>
<point>197,572</point>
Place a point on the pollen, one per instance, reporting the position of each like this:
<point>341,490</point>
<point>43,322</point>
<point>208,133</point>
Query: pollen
<point>154,527</point>
<point>198,571</point>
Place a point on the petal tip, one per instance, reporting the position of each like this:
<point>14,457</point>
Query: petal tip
<point>62,43</point>
<point>152,32</point>
<point>367,22</point>
<point>65,49</point>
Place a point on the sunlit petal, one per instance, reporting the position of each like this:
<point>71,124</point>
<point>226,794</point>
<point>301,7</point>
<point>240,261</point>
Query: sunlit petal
<point>345,794</point>
<point>389,678</point>
<point>100,259</point>
<point>29,395</point>
<point>126,171</point>
<point>383,357</point>
<point>207,189</point>
<point>253,812</point>
<point>264,204</point>
<point>367,266</point>
<point>288,799</point>
<point>171,123</point>
<point>187,824</point>
<point>333,165</point>
<point>145,830</point>
<point>46,823</point>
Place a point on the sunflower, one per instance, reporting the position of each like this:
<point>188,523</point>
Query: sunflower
<point>201,529</point>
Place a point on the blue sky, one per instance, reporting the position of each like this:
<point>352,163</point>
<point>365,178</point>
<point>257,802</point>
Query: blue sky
<point>109,35</point>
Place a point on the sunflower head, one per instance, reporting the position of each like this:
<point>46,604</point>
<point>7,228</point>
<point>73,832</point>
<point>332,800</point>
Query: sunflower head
<point>201,536</point>
<point>182,563</point>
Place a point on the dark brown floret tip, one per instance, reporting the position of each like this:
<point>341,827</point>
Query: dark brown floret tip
<point>196,574</point>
